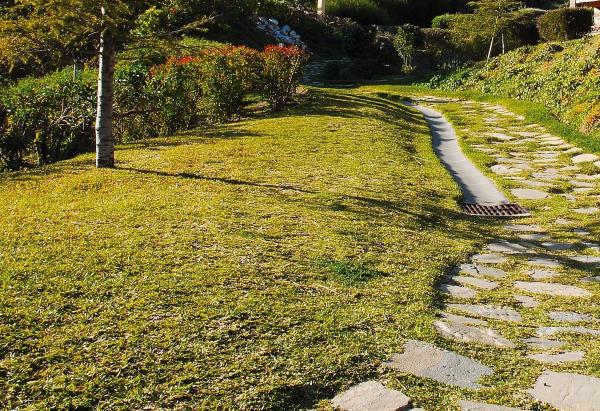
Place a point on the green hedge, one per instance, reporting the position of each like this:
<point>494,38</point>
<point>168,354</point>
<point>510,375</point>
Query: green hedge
<point>43,120</point>
<point>566,24</point>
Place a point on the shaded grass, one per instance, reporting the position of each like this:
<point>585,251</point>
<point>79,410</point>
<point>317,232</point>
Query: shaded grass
<point>187,276</point>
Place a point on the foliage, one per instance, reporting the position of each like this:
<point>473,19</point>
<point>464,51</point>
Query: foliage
<point>443,21</point>
<point>228,75</point>
<point>331,70</point>
<point>282,71</point>
<point>407,41</point>
<point>50,118</point>
<point>566,23</point>
<point>361,11</point>
<point>562,77</point>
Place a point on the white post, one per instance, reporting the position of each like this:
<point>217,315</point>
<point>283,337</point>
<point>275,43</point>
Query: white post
<point>321,7</point>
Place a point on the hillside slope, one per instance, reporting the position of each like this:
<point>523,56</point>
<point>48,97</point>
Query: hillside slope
<point>565,77</point>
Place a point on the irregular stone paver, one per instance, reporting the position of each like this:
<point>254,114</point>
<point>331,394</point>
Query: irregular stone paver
<point>581,231</point>
<point>539,274</point>
<point>426,360</point>
<point>597,164</point>
<point>480,406</point>
<point>507,247</point>
<point>584,158</point>
<point>586,259</point>
<point>590,279</point>
<point>543,262</point>
<point>533,237</point>
<point>558,246</point>
<point>545,331</point>
<point>562,221</point>
<point>459,319</point>
<point>542,343</point>
<point>587,210</point>
<point>503,170</point>
<point>529,194</point>
<point>568,392</point>
<point>526,301</point>
<point>371,396</point>
<point>534,183</point>
<point>475,282</point>
<point>555,289</point>
<point>488,311</point>
<point>481,271</point>
<point>457,291</point>
<point>529,228</point>
<point>470,334</point>
<point>569,316</point>
<point>571,356</point>
<point>489,258</point>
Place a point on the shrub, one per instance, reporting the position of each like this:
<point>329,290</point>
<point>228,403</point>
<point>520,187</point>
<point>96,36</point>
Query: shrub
<point>331,70</point>
<point>282,71</point>
<point>566,24</point>
<point>228,75</point>
<point>362,11</point>
<point>48,117</point>
<point>407,40</point>
<point>442,21</point>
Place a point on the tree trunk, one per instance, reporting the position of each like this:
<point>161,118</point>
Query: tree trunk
<point>105,144</point>
<point>489,56</point>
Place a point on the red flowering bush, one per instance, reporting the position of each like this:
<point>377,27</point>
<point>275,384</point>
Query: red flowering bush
<point>282,70</point>
<point>228,75</point>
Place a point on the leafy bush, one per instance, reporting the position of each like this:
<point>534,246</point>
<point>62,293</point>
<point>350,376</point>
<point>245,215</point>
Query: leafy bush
<point>282,71</point>
<point>49,117</point>
<point>442,21</point>
<point>566,23</point>
<point>363,69</point>
<point>362,11</point>
<point>228,74</point>
<point>407,40</point>
<point>331,70</point>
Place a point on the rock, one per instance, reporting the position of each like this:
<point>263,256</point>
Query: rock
<point>569,316</point>
<point>507,247</point>
<point>584,158</point>
<point>554,289</point>
<point>542,343</point>
<point>591,279</point>
<point>499,136</point>
<point>581,231</point>
<point>489,258</point>
<point>583,184</point>
<point>568,392</point>
<point>571,356</point>
<point>488,311</point>
<point>459,319</point>
<point>457,291</point>
<point>481,271</point>
<point>597,164</point>
<point>504,170</point>
<point>562,221</point>
<point>534,183</point>
<point>475,282</point>
<point>428,361</point>
<point>587,177</point>
<point>480,406</point>
<point>371,396</point>
<point>529,194</point>
<point>558,246</point>
<point>526,301</point>
<point>545,331</point>
<point>587,210</point>
<point>582,190</point>
<point>539,274</point>
<point>543,262</point>
<point>533,237</point>
<point>527,228</point>
<point>470,334</point>
<point>574,150</point>
<point>586,259</point>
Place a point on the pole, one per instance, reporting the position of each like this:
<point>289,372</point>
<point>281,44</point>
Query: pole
<point>489,56</point>
<point>321,7</point>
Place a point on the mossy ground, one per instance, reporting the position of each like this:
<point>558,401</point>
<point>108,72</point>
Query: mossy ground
<point>265,264</point>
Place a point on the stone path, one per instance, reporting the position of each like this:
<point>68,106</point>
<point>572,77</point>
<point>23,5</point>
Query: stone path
<point>533,290</point>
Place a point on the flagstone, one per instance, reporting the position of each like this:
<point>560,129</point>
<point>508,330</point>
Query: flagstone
<point>562,221</point>
<point>583,184</point>
<point>471,334</point>
<point>523,227</point>
<point>571,356</point>
<point>567,391</point>
<point>555,246</point>
<point>591,279</point>
<point>488,311</point>
<point>480,406</point>
<point>489,258</point>
<point>457,291</point>
<point>569,316</point>
<point>504,170</point>
<point>554,289</point>
<point>481,271</point>
<point>526,301</point>
<point>582,190</point>
<point>586,259</point>
<point>460,319</point>
<point>507,247</point>
<point>547,331</point>
<point>475,282</point>
<point>587,210</point>
<point>581,231</point>
<point>543,262</point>
<point>428,361</point>
<point>529,194</point>
<point>540,274</point>
<point>574,150</point>
<point>584,158</point>
<point>533,237</point>
<point>542,343</point>
<point>371,396</point>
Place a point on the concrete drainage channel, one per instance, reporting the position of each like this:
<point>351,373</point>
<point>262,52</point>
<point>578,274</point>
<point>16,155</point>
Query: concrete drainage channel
<point>480,195</point>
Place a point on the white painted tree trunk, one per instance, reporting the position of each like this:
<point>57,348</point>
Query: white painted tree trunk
<point>489,56</point>
<point>105,144</point>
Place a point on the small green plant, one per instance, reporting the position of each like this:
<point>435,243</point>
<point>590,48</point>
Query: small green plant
<point>282,70</point>
<point>351,273</point>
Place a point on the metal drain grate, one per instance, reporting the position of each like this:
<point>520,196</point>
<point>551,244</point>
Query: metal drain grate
<point>501,210</point>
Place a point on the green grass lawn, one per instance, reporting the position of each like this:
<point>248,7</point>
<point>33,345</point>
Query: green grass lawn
<point>265,264</point>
